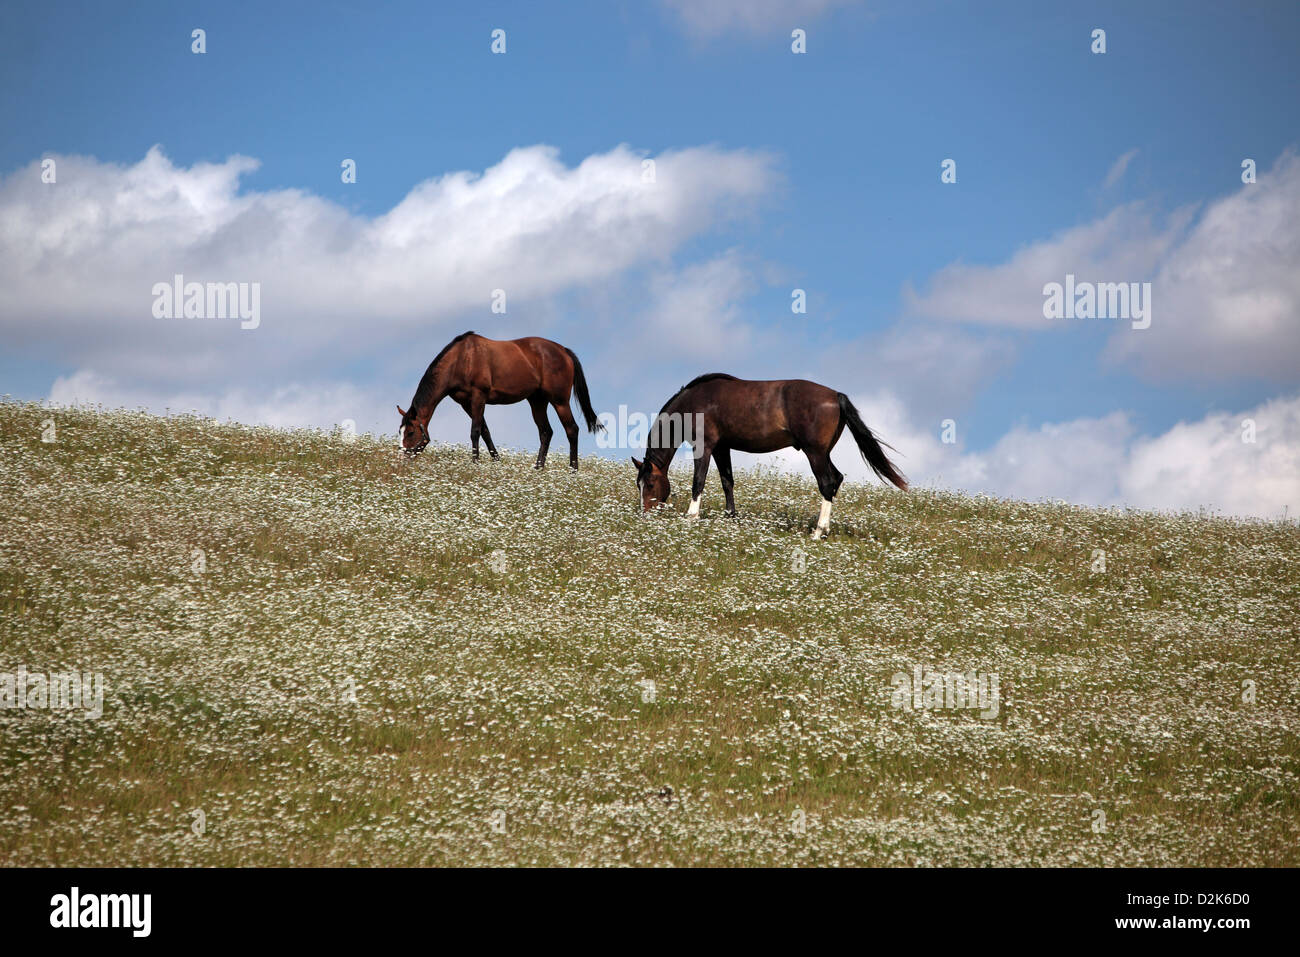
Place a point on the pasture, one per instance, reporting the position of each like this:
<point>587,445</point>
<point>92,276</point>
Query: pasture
<point>314,652</point>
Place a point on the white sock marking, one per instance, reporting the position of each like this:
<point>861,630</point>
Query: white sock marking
<point>823,520</point>
<point>694,510</point>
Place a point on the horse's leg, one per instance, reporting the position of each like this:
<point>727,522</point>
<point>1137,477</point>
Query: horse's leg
<point>544,432</point>
<point>828,481</point>
<point>570,429</point>
<point>487,439</point>
<point>722,456</point>
<point>701,473</point>
<point>468,406</point>
<point>474,406</point>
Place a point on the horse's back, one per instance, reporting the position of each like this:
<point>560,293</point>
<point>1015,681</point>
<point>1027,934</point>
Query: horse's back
<point>770,393</point>
<point>763,415</point>
<point>518,368</point>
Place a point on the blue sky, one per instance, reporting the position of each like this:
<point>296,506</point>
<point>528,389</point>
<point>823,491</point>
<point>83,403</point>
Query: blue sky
<point>847,204</point>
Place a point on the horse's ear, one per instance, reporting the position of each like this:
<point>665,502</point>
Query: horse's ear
<point>401,412</point>
<point>637,463</point>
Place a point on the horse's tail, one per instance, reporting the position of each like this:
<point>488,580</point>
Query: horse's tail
<point>871,451</point>
<point>584,397</point>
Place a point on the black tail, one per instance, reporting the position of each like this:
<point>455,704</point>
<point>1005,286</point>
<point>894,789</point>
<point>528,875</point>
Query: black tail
<point>584,397</point>
<point>871,451</point>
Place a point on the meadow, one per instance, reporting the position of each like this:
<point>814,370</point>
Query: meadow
<point>315,652</point>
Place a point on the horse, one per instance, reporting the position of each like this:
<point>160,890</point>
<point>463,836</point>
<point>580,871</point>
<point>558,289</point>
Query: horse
<point>717,413</point>
<point>476,371</point>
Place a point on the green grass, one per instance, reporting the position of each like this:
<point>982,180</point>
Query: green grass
<point>379,661</point>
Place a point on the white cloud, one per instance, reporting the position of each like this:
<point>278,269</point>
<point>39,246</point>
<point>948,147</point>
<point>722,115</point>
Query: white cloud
<point>1207,462</point>
<point>708,18</point>
<point>1123,246</point>
<point>1096,461</point>
<point>1226,300</point>
<point>1225,289</point>
<point>318,405</point>
<point>697,310</point>
<point>79,258</point>
<point>935,368</point>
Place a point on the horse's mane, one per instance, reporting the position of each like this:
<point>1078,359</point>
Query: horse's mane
<point>426,382</point>
<point>707,377</point>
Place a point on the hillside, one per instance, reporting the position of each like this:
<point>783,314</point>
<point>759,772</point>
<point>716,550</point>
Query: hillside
<point>314,652</point>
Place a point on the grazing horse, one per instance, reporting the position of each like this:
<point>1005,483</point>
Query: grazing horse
<point>718,412</point>
<point>476,371</point>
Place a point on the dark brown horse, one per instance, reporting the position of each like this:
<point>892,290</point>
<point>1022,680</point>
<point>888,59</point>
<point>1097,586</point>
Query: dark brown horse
<point>718,412</point>
<point>476,372</point>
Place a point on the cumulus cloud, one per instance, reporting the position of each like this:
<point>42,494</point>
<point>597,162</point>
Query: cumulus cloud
<point>1123,246</point>
<point>697,309</point>
<point>79,258</point>
<point>708,18</point>
<point>1227,297</point>
<point>1207,463</point>
<point>936,369</point>
<point>1225,284</point>
<point>315,405</point>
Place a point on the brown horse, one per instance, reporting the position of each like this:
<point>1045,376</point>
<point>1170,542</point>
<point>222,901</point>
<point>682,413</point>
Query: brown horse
<point>718,412</point>
<point>476,371</point>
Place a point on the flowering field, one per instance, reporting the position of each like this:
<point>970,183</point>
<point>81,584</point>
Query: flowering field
<point>314,652</point>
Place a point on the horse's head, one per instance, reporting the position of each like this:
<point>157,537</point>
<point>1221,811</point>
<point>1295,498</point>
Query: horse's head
<point>413,434</point>
<point>652,482</point>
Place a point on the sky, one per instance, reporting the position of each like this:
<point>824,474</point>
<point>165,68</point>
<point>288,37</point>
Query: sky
<point>773,171</point>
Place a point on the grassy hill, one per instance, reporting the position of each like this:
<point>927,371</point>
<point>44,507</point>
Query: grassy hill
<point>315,652</point>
